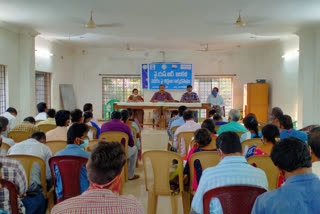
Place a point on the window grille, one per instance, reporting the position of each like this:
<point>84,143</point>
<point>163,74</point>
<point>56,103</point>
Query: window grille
<point>3,97</point>
<point>43,88</point>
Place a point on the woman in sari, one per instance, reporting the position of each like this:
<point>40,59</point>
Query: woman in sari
<point>137,113</point>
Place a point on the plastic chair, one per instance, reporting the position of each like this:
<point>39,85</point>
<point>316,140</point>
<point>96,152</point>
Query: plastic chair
<point>251,142</point>
<point>265,163</point>
<point>233,199</point>
<point>117,137</point>
<point>56,146</point>
<point>5,146</point>
<point>240,133</point>
<point>161,162</point>
<point>187,136</point>
<point>69,167</point>
<point>18,136</point>
<point>13,195</point>
<point>172,130</point>
<point>94,130</point>
<point>110,106</point>
<point>46,127</point>
<point>92,143</point>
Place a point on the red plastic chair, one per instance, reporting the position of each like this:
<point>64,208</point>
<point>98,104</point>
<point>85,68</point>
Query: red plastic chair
<point>13,195</point>
<point>69,167</point>
<point>233,199</point>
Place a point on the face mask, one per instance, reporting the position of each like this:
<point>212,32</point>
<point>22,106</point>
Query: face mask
<point>115,188</point>
<point>189,92</point>
<point>214,93</point>
<point>85,143</point>
<point>135,95</point>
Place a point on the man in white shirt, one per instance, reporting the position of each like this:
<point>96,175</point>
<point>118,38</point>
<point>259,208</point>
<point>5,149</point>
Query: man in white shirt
<point>216,101</point>
<point>3,127</point>
<point>42,108</point>
<point>34,146</point>
<point>314,143</point>
<point>10,114</point>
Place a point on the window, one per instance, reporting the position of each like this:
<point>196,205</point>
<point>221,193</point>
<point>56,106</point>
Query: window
<point>119,88</point>
<point>43,87</point>
<point>204,85</point>
<point>3,98</point>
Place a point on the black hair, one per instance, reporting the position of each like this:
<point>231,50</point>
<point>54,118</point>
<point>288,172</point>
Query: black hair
<point>286,122</point>
<point>62,117</point>
<point>290,154</point>
<point>116,115</point>
<point>188,114</point>
<point>162,85</point>
<point>130,112</point>
<point>217,89</point>
<point>251,123</point>
<point>174,113</point>
<point>134,90</point>
<point>105,162</point>
<point>76,115</point>
<point>229,142</point>
<point>38,135</point>
<point>270,132</point>
<point>77,130</point>
<point>3,123</point>
<point>12,110</point>
<point>181,109</point>
<point>87,115</point>
<point>209,124</point>
<point>51,112</point>
<point>212,112</point>
<point>124,115</point>
<point>217,117</point>
<point>203,137</point>
<point>87,107</point>
<point>41,107</point>
<point>314,141</point>
<point>189,86</point>
<point>30,120</point>
<point>277,112</point>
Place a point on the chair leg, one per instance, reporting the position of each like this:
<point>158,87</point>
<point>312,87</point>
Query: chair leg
<point>186,202</point>
<point>174,204</point>
<point>152,203</point>
<point>126,173</point>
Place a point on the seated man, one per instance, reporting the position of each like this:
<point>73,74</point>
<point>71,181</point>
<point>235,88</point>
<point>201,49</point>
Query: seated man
<point>35,146</point>
<point>217,118</point>
<point>233,125</point>
<point>42,108</point>
<point>60,133</point>
<point>189,125</point>
<point>11,115</point>
<point>314,143</point>
<point>300,194</point>
<point>50,118</point>
<point>174,116</point>
<point>28,125</point>
<point>233,169</point>
<point>179,121</point>
<point>287,129</point>
<point>12,170</point>
<point>115,125</point>
<point>3,126</point>
<point>276,114</point>
<point>76,116</point>
<point>104,172</point>
<point>77,140</point>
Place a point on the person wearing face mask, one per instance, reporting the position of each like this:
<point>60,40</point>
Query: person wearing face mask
<point>104,168</point>
<point>191,97</point>
<point>77,140</point>
<point>62,118</point>
<point>137,113</point>
<point>216,101</point>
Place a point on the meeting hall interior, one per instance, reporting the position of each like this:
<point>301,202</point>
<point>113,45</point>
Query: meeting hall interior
<point>159,106</point>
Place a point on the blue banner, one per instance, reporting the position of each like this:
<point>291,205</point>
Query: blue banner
<point>174,76</point>
<point>144,76</point>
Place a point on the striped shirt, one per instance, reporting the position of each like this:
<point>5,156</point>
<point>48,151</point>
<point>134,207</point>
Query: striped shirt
<point>99,201</point>
<point>232,170</point>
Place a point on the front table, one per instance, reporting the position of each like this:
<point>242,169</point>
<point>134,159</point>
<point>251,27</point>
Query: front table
<point>162,106</point>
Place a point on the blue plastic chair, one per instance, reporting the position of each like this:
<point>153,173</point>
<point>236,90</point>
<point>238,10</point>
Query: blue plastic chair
<point>108,109</point>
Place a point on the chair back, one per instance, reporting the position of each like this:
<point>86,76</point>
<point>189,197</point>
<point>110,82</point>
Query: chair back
<point>5,146</point>
<point>240,133</point>
<point>13,195</point>
<point>69,168</point>
<point>134,134</point>
<point>46,127</point>
<point>265,163</point>
<point>18,136</point>
<point>108,108</point>
<point>56,145</point>
<point>92,143</point>
<point>207,159</point>
<point>161,161</point>
<point>172,130</point>
<point>251,142</point>
<point>27,162</point>
<point>233,199</point>
<point>187,136</point>
<point>94,130</point>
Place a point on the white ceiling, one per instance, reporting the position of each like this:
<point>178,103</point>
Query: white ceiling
<point>162,24</point>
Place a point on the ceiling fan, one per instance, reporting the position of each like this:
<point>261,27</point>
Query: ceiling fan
<point>239,22</point>
<point>91,24</point>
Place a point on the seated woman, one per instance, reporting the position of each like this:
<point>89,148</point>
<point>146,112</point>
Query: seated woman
<point>251,123</point>
<point>209,124</point>
<point>138,113</point>
<point>203,140</point>
<point>87,117</point>
<point>126,117</point>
